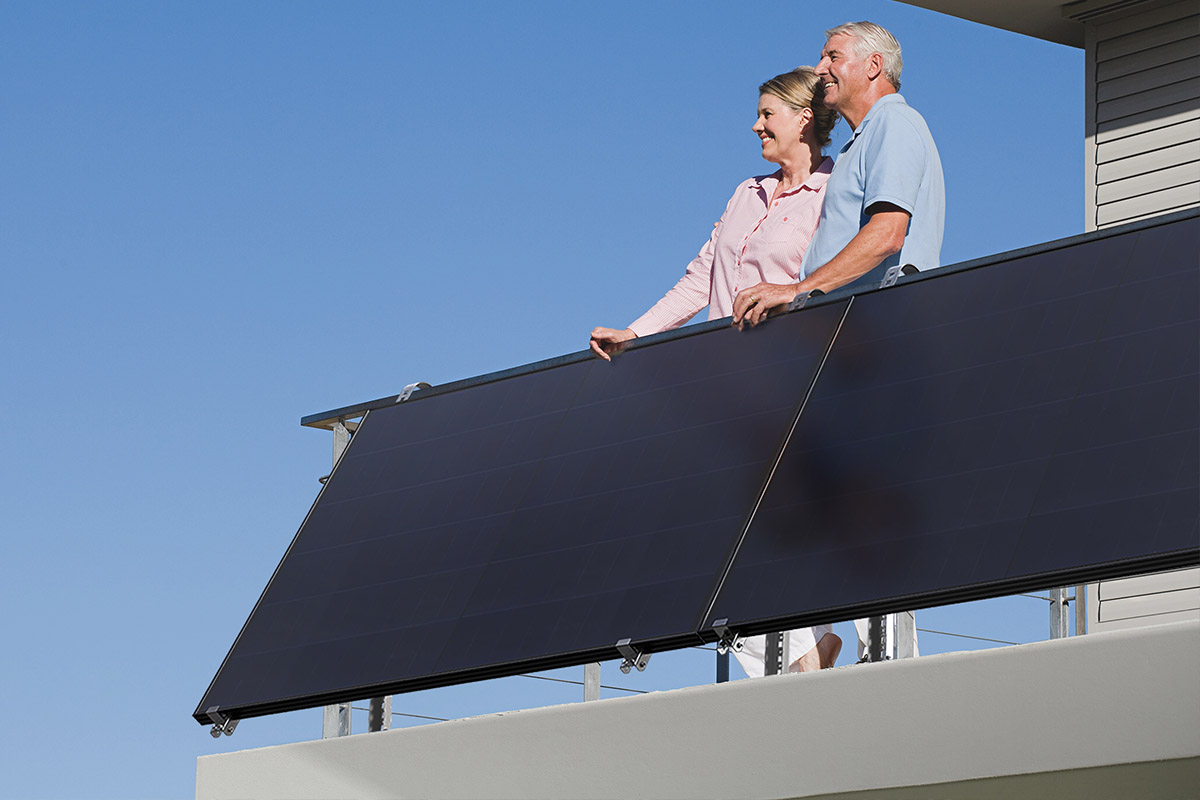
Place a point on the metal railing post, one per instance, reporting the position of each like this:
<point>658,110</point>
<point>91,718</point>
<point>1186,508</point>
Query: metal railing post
<point>379,714</point>
<point>591,681</point>
<point>906,634</point>
<point>336,719</point>
<point>722,666</point>
<point>1060,614</point>
<point>877,638</point>
<point>775,661</point>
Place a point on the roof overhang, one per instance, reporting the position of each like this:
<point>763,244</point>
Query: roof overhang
<point>1044,19</point>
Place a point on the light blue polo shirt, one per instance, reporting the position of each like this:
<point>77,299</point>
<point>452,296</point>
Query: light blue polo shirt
<point>891,158</point>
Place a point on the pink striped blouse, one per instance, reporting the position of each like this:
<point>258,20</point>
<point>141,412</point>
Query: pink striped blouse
<point>757,241</point>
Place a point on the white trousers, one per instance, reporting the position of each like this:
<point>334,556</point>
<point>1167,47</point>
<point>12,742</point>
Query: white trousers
<point>753,654</point>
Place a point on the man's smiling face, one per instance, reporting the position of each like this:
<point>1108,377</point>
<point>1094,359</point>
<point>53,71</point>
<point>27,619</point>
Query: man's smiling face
<point>842,72</point>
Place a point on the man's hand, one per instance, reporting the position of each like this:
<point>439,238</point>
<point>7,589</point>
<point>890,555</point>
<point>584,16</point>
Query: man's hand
<point>606,341</point>
<point>754,304</point>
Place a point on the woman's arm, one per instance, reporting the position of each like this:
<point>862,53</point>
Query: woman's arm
<point>681,302</point>
<point>687,297</point>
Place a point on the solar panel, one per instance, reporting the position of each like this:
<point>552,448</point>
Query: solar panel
<point>977,431</point>
<point>1124,481</point>
<point>527,522</point>
<point>986,431</point>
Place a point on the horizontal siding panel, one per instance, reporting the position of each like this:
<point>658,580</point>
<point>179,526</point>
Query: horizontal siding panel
<point>1139,19</point>
<point>1167,74</point>
<point>1154,139</point>
<point>1108,48</point>
<point>1149,584</point>
<point>1148,59</point>
<point>1148,605</point>
<point>1149,120</point>
<point>1127,220</point>
<point>1154,161</point>
<point>1148,100</point>
<point>1141,622</point>
<point>1157,181</point>
<point>1148,205</point>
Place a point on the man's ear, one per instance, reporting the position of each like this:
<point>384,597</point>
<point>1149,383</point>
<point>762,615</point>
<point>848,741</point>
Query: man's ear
<point>874,66</point>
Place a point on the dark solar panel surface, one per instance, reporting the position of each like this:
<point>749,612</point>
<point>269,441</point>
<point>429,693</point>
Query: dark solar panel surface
<point>524,522</point>
<point>1125,477</point>
<point>1000,425</point>
<point>975,432</point>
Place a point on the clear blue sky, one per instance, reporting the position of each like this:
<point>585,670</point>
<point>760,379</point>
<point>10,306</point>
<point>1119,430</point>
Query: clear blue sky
<point>218,217</point>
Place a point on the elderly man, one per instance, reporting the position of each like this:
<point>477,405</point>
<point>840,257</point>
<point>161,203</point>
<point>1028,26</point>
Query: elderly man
<point>885,201</point>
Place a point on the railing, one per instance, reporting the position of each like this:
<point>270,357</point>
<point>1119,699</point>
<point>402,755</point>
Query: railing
<point>978,625</point>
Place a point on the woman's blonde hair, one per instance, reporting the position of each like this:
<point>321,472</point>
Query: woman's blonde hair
<point>801,89</point>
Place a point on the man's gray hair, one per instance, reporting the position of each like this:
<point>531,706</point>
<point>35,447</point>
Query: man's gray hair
<point>871,38</point>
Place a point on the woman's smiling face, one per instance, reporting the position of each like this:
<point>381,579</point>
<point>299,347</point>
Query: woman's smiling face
<point>781,129</point>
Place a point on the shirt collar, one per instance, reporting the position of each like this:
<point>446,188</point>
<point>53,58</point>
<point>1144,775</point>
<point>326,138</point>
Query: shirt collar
<point>887,99</point>
<point>814,181</point>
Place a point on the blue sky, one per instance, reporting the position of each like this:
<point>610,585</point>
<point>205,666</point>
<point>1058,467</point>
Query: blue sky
<point>217,218</point>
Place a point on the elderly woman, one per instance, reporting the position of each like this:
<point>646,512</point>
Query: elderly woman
<point>755,249</point>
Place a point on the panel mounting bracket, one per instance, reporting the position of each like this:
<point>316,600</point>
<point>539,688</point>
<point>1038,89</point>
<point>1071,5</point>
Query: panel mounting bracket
<point>799,300</point>
<point>894,272</point>
<point>407,391</point>
<point>726,639</point>
<point>221,723</point>
<point>891,276</point>
<point>633,657</point>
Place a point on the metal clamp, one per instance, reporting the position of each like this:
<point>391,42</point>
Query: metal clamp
<point>407,391</point>
<point>891,276</point>
<point>221,723</point>
<point>799,300</point>
<point>894,272</point>
<point>726,639</point>
<point>633,657</point>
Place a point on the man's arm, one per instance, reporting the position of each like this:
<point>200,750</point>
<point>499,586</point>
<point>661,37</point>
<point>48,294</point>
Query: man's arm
<point>881,237</point>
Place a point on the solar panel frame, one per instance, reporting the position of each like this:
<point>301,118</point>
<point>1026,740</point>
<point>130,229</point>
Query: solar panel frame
<point>703,631</point>
<point>748,355</point>
<point>1008,580</point>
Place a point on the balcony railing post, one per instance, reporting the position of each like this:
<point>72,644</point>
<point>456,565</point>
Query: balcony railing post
<point>336,720</point>
<point>722,666</point>
<point>775,661</point>
<point>591,681</point>
<point>1060,614</point>
<point>379,715</point>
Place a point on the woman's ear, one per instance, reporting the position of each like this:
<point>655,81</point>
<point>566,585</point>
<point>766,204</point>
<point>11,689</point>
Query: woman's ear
<point>806,118</point>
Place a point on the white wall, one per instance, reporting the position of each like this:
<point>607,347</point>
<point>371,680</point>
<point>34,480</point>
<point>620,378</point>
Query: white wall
<point>1115,715</point>
<point>1142,111</point>
<point>1142,107</point>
